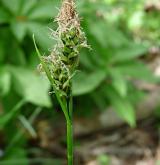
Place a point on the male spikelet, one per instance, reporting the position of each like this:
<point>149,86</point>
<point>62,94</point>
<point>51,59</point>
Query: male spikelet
<point>65,56</point>
<point>69,31</point>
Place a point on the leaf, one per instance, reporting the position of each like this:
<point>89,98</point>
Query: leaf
<point>27,125</point>
<point>5,119</point>
<point>41,34</point>
<point>85,83</point>
<point>5,81</point>
<point>4,16</point>
<point>129,52</point>
<point>122,106</point>
<point>30,86</point>
<point>19,29</point>
<point>106,38</point>
<point>119,82</point>
<point>28,6</point>
<point>16,54</point>
<point>136,69</point>
<point>43,10</point>
<point>17,156</point>
<point>12,5</point>
<point>2,50</point>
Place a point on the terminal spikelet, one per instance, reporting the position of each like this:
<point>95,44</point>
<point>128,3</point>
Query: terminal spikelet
<point>64,58</point>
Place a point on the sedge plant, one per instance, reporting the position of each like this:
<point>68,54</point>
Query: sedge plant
<point>60,66</point>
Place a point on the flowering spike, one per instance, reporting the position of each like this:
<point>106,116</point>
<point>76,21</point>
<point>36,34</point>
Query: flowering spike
<point>64,58</point>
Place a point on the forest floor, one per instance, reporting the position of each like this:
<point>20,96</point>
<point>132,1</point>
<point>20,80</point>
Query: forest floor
<point>120,145</point>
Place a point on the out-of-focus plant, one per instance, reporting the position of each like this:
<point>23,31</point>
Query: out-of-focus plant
<point>19,19</point>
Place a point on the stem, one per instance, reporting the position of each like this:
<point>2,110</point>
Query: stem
<point>70,131</point>
<point>70,142</point>
<point>71,104</point>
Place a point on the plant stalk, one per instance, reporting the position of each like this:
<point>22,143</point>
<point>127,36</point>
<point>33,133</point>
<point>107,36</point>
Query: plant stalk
<point>70,130</point>
<point>70,142</point>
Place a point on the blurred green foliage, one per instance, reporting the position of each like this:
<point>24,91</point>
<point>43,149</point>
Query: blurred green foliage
<point>118,31</point>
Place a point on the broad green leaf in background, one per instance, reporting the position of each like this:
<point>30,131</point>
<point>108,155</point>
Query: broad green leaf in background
<point>129,52</point>
<point>27,16</point>
<point>122,106</point>
<point>4,16</point>
<point>107,38</point>
<point>42,34</point>
<point>19,29</point>
<point>16,54</point>
<point>31,87</point>
<point>12,5</point>
<point>118,82</point>
<point>100,97</point>
<point>28,6</point>
<point>5,81</point>
<point>44,10</point>
<point>85,83</point>
<point>136,69</point>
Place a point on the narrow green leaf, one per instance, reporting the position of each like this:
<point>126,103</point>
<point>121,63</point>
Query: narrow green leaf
<point>28,126</point>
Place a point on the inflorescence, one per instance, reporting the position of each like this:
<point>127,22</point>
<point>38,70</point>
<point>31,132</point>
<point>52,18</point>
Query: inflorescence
<point>64,58</point>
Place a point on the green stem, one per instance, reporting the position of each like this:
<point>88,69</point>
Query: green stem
<point>71,104</point>
<point>70,132</point>
<point>70,142</point>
